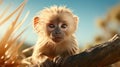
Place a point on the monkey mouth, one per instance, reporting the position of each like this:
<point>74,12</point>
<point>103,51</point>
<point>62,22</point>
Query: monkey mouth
<point>57,39</point>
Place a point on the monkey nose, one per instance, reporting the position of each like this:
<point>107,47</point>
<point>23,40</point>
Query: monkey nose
<point>57,32</point>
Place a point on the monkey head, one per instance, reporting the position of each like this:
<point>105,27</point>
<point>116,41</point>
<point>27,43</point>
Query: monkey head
<point>55,23</point>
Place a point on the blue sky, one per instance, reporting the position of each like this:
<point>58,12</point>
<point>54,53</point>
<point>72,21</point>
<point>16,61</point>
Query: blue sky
<point>87,11</point>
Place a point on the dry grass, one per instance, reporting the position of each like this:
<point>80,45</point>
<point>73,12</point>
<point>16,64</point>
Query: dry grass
<point>9,45</point>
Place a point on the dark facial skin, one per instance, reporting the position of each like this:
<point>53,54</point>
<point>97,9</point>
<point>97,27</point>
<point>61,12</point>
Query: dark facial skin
<point>57,30</point>
<point>57,34</point>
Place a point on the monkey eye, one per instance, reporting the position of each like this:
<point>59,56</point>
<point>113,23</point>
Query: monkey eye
<point>51,25</point>
<point>63,25</point>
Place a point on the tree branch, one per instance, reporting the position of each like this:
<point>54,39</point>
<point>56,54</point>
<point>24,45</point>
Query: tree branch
<point>98,56</point>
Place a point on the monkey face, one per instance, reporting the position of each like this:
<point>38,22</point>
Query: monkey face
<point>59,27</point>
<point>56,24</point>
<point>56,31</point>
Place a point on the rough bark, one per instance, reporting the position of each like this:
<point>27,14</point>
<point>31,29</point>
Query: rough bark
<point>98,56</point>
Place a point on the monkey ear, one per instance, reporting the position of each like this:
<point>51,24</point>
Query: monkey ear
<point>76,19</point>
<point>35,20</point>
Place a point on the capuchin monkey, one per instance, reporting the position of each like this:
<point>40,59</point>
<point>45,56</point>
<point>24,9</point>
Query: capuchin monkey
<point>55,27</point>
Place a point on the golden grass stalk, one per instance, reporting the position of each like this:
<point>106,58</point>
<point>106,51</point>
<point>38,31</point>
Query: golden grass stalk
<point>11,27</point>
<point>5,11</point>
<point>16,10</point>
<point>9,45</point>
<point>22,21</point>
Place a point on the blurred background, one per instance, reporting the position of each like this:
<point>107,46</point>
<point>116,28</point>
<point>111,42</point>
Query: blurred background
<point>98,21</point>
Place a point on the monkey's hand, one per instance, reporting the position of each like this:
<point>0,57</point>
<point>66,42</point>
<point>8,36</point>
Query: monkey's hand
<point>27,61</point>
<point>58,60</point>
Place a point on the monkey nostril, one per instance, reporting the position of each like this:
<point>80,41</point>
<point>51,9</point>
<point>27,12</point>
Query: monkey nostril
<point>57,32</point>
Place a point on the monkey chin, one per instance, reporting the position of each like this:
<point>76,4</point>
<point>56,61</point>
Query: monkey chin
<point>58,39</point>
